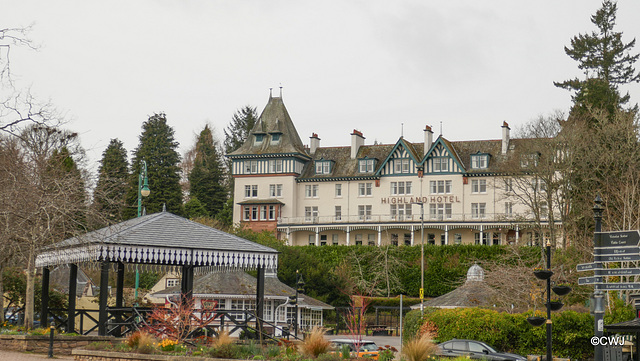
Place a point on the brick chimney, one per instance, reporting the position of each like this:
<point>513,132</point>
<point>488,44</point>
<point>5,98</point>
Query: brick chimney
<point>505,137</point>
<point>314,143</point>
<point>428,139</point>
<point>357,140</point>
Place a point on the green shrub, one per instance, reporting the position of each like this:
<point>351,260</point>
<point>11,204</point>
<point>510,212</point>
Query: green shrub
<point>508,332</point>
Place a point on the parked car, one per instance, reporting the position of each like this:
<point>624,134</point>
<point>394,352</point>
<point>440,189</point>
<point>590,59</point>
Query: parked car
<point>475,350</point>
<point>367,348</point>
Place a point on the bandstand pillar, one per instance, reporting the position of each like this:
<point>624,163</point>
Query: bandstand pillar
<point>103,314</point>
<point>44,305</point>
<point>73,286</point>
<point>119,297</point>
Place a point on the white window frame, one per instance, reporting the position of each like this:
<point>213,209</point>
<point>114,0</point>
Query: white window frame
<point>479,161</point>
<point>251,191</point>
<point>365,165</point>
<point>275,190</point>
<point>311,214</point>
<point>275,166</point>
<point>364,212</point>
<point>508,209</point>
<point>338,213</point>
<point>338,190</point>
<point>478,186</point>
<point>172,282</point>
<point>311,191</point>
<point>440,164</point>
<point>323,167</point>
<point>478,210</point>
<point>365,189</point>
<point>401,165</point>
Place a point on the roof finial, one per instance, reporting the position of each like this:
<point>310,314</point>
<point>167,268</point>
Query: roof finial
<point>270,92</point>
<point>401,130</point>
<point>164,207</point>
<point>280,90</point>
<point>441,127</point>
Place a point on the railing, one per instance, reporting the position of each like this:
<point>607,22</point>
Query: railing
<point>413,218</point>
<point>124,320</point>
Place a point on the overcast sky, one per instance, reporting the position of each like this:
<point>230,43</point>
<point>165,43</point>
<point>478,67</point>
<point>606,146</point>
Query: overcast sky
<point>343,65</point>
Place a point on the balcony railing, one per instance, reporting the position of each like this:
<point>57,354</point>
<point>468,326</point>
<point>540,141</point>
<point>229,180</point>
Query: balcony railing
<point>414,218</point>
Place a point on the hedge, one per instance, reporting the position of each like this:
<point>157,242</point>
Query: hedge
<point>508,332</point>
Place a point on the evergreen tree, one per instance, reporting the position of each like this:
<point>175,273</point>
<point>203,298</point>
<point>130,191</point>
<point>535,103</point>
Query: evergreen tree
<point>158,149</point>
<point>195,209</point>
<point>602,56</point>
<point>237,131</point>
<point>108,198</point>
<point>206,180</point>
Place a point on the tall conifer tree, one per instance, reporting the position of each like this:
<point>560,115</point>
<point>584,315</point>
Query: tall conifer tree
<point>111,188</point>
<point>606,61</point>
<point>158,148</point>
<point>206,180</point>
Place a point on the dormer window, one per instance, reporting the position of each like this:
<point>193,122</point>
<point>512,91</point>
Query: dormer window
<point>401,165</point>
<point>259,138</point>
<point>275,138</point>
<point>323,166</point>
<point>366,165</point>
<point>480,161</point>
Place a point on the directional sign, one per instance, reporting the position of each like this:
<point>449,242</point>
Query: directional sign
<point>617,239</point>
<point>618,286</point>
<point>620,272</point>
<point>626,250</point>
<point>589,266</point>
<point>621,258</point>
<point>590,280</point>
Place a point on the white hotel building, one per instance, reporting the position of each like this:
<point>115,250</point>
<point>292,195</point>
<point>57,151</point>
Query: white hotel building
<point>373,194</point>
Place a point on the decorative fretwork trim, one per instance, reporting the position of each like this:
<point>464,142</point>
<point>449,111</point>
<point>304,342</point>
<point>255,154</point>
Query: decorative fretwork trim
<point>158,256</point>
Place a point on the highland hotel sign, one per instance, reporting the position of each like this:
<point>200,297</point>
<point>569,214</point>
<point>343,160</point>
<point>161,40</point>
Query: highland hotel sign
<point>409,200</point>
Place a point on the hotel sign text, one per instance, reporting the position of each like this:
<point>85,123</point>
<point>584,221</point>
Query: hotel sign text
<point>430,199</point>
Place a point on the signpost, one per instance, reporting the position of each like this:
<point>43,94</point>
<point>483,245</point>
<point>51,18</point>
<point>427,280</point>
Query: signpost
<point>621,258</point>
<point>590,280</point>
<point>616,239</point>
<point>617,286</point>
<point>589,266</point>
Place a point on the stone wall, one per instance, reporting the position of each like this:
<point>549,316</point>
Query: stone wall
<point>91,355</point>
<point>62,345</point>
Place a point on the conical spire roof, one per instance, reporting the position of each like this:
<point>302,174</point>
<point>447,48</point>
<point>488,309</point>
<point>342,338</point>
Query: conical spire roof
<point>274,120</point>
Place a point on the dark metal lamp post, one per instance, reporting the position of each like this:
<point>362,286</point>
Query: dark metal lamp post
<point>598,296</point>
<point>143,191</point>
<point>299,289</point>
<point>546,274</point>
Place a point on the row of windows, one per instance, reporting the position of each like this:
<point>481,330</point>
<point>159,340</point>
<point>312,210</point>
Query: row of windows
<point>404,211</point>
<point>251,166</point>
<point>259,138</point>
<point>366,189</point>
<point>430,239</point>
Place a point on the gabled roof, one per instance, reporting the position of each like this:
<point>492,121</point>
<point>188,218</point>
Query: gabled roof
<point>160,238</point>
<point>451,149</point>
<point>466,149</point>
<point>274,120</point>
<point>406,145</point>
<point>241,285</point>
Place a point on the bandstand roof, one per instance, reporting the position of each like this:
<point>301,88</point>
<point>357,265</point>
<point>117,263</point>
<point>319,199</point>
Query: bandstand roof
<point>161,239</point>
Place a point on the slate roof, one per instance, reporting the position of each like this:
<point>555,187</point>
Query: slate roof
<point>160,238</point>
<point>238,283</point>
<point>626,326</point>
<point>274,119</point>
<point>165,229</point>
<point>344,166</point>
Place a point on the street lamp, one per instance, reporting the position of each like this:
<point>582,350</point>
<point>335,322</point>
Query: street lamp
<point>143,191</point>
<point>421,204</point>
